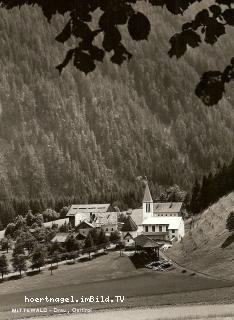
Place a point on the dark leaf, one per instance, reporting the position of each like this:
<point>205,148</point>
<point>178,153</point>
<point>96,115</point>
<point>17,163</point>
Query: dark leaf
<point>67,59</point>
<point>65,34</point>
<point>229,16</point>
<point>120,54</point>
<point>96,53</point>
<point>112,38</point>
<point>211,88</point>
<point>214,30</point>
<point>178,46</point>
<point>139,26</point>
<point>83,61</point>
<point>216,10</point>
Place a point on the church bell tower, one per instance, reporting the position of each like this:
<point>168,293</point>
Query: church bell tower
<point>147,203</point>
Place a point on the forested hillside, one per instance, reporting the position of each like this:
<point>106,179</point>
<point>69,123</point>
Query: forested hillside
<point>89,137</point>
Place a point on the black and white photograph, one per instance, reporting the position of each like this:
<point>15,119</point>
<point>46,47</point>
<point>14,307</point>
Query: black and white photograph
<point>116,159</point>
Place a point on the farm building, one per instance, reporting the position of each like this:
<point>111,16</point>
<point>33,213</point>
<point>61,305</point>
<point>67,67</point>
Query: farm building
<point>94,215</point>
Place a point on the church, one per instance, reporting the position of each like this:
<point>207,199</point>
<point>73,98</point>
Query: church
<point>159,220</point>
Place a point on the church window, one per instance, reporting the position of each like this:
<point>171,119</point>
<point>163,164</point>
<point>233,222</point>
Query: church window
<point>146,228</point>
<point>153,228</point>
<point>160,228</point>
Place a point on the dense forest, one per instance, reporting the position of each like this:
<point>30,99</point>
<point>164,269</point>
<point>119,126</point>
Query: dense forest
<point>212,187</point>
<point>87,138</point>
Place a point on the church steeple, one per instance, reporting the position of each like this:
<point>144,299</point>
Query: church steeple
<point>147,195</point>
<point>147,203</point>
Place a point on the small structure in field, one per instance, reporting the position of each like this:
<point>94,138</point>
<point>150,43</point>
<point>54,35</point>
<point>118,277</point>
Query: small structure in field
<point>129,231</point>
<point>144,243</point>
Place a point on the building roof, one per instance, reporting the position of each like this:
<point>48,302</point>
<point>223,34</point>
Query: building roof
<point>60,237</point>
<point>129,225</point>
<point>137,216</point>
<point>85,224</point>
<point>59,222</point>
<point>172,222</point>
<point>167,207</point>
<point>147,195</point>
<point>145,242</point>
<point>87,208</point>
<point>105,218</point>
<point>128,235</point>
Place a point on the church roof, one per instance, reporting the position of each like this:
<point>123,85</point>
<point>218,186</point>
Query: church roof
<point>129,225</point>
<point>167,207</point>
<point>147,195</point>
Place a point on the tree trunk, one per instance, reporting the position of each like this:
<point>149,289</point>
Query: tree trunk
<point>20,272</point>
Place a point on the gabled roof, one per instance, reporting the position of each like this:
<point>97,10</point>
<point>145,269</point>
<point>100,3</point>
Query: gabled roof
<point>147,195</point>
<point>87,208</point>
<point>145,242</point>
<point>137,216</point>
<point>167,207</point>
<point>105,218</point>
<point>172,222</point>
<point>85,224</point>
<point>60,237</point>
<point>128,235</point>
<point>129,225</point>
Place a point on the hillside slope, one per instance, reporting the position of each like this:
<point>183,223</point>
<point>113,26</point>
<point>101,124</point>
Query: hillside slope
<point>90,137</point>
<point>204,248</point>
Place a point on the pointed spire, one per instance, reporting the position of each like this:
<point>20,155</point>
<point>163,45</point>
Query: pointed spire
<point>147,195</point>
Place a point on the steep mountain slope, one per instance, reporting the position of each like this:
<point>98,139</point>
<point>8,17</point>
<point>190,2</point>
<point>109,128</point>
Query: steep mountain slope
<point>206,246</point>
<point>90,137</point>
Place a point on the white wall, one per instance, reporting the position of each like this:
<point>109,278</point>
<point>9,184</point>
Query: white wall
<point>150,213</point>
<point>150,229</point>
<point>109,227</point>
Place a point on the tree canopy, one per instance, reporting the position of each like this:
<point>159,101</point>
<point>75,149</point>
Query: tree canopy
<point>92,19</point>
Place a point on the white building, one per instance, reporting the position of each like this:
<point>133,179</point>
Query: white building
<point>159,220</point>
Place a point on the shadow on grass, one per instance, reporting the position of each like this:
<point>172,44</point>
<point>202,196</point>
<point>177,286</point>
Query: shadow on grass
<point>33,273</point>
<point>228,241</point>
<point>139,260</point>
<point>15,277</point>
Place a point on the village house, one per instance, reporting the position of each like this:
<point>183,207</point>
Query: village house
<point>129,231</point>
<point>159,220</point>
<point>87,216</point>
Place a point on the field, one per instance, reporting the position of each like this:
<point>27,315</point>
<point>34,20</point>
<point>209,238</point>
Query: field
<point>112,275</point>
